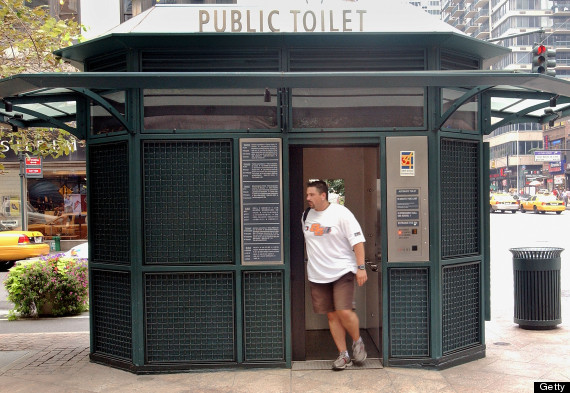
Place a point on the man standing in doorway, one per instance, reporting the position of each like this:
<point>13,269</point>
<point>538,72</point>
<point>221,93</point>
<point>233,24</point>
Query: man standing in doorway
<point>335,247</point>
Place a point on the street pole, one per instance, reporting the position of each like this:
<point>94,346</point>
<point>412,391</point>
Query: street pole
<point>518,162</point>
<point>507,174</point>
<point>22,194</point>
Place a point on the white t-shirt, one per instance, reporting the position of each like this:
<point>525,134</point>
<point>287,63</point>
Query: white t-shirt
<point>330,236</point>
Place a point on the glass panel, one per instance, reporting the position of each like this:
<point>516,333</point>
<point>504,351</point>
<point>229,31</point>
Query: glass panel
<point>358,108</point>
<point>210,109</point>
<point>102,121</point>
<point>465,117</point>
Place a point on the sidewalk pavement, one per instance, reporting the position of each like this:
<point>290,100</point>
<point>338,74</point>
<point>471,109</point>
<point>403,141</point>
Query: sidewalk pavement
<point>516,358</point>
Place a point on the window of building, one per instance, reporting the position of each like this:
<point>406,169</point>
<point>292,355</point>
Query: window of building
<point>126,10</point>
<point>66,9</point>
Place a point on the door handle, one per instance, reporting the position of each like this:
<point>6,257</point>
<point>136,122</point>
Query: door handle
<point>372,266</point>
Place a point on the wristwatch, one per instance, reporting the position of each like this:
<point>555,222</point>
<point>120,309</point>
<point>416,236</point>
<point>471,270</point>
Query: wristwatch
<point>361,267</point>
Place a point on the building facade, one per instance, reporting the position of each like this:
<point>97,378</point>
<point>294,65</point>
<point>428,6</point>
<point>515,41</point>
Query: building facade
<point>432,7</point>
<point>512,148</point>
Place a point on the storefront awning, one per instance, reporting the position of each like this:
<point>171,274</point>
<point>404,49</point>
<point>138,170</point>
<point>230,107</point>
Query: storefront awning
<point>40,100</point>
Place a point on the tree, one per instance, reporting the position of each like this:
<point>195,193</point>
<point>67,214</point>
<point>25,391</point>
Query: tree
<point>28,37</point>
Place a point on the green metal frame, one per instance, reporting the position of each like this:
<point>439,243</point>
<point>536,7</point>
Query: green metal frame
<point>488,85</point>
<point>476,91</point>
<point>105,105</point>
<point>433,81</point>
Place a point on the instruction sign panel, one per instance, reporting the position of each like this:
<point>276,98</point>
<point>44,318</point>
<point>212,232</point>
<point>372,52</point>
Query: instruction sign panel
<point>407,199</point>
<point>261,201</point>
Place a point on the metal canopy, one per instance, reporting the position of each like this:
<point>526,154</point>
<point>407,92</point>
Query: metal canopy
<point>51,99</point>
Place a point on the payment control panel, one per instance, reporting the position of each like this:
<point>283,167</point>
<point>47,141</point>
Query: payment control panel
<point>407,199</point>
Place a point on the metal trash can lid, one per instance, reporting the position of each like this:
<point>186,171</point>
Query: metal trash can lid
<point>536,252</point>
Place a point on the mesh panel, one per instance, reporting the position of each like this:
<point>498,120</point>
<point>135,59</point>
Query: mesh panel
<point>263,305</point>
<point>361,59</point>
<point>460,306</point>
<point>111,312</point>
<point>460,234</point>
<point>116,62</point>
<point>189,317</point>
<point>188,207</point>
<point>109,202</point>
<point>409,313</point>
<point>453,61</point>
<point>211,60</point>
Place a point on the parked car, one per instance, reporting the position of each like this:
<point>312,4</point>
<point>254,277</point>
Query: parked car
<point>15,245</point>
<point>503,203</point>
<point>543,203</point>
<point>81,251</point>
<point>524,197</point>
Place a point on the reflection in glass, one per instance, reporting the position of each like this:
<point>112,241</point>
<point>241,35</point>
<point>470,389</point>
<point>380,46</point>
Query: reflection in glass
<point>102,122</point>
<point>210,109</point>
<point>358,108</point>
<point>465,117</point>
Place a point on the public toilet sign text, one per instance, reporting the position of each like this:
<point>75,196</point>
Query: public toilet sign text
<point>243,20</point>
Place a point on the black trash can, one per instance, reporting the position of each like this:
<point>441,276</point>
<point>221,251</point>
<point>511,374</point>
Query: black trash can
<point>537,287</point>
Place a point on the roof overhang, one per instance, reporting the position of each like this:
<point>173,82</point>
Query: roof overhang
<point>51,99</point>
<point>453,41</point>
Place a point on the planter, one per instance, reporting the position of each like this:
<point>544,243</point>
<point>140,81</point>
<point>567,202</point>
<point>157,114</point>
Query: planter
<point>47,306</point>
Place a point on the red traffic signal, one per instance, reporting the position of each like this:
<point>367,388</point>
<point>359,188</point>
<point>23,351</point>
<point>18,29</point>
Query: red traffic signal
<point>538,59</point>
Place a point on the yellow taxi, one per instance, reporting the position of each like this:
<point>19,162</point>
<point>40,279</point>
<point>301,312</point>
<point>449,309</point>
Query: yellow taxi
<point>543,203</point>
<point>503,203</point>
<point>15,245</point>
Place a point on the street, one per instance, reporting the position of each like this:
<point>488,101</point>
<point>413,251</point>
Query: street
<point>508,230</point>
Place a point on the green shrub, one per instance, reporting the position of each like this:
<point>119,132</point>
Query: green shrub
<point>55,283</point>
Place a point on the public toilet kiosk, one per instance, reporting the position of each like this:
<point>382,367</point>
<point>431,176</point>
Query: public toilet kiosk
<point>203,125</point>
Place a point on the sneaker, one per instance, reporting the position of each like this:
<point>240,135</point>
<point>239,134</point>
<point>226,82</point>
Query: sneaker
<point>342,362</point>
<point>358,351</point>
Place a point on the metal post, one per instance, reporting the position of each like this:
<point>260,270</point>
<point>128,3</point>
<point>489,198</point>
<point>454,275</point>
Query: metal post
<point>518,162</point>
<point>22,194</point>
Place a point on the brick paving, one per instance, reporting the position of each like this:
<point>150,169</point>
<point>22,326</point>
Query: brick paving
<point>45,353</point>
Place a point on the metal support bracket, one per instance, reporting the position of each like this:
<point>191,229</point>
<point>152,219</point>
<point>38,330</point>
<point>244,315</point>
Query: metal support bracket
<point>105,105</point>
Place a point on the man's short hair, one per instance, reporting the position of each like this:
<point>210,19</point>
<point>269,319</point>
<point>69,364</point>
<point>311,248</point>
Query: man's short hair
<point>321,187</point>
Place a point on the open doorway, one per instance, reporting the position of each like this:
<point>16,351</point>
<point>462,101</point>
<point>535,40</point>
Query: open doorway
<point>355,172</point>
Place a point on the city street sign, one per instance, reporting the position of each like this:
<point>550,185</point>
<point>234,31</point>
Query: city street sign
<point>33,161</point>
<point>33,168</point>
<point>547,156</point>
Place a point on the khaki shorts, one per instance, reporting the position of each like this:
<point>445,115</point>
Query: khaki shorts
<point>332,296</point>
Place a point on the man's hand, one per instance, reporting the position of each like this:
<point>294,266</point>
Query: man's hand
<point>361,277</point>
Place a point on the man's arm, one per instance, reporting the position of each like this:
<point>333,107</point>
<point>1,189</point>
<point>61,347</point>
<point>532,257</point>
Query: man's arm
<point>361,275</point>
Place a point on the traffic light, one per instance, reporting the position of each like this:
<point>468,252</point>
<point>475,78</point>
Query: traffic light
<point>539,59</point>
<point>550,62</point>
